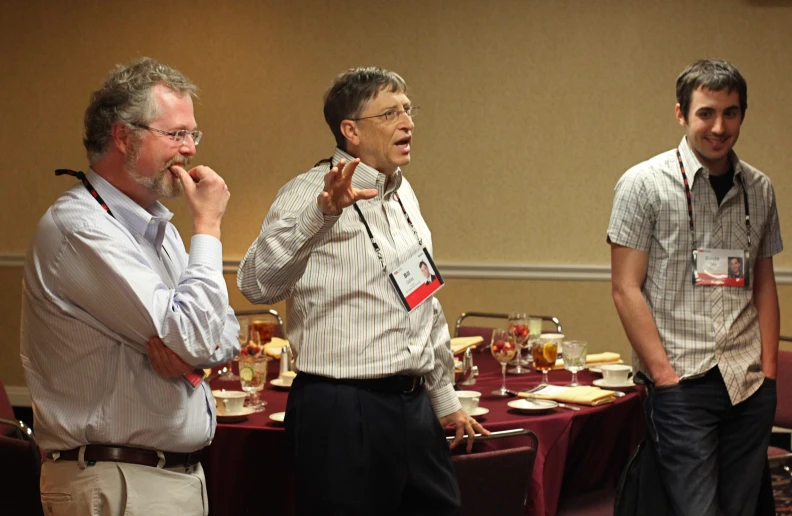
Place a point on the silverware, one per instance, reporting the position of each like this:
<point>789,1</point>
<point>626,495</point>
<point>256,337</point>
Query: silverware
<point>569,407</point>
<point>212,376</point>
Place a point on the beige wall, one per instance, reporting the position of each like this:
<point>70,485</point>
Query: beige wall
<point>531,110</point>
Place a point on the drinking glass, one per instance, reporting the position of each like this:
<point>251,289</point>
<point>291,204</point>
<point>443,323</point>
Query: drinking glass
<point>518,329</point>
<point>253,376</point>
<point>575,358</point>
<point>545,352</point>
<point>503,349</point>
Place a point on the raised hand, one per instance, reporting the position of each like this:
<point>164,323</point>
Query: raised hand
<point>338,192</point>
<point>207,196</point>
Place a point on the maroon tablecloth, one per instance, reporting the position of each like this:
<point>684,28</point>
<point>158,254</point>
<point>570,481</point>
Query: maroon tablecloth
<point>249,469</point>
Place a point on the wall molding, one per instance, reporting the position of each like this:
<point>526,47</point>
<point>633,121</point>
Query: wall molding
<point>18,395</point>
<point>477,270</point>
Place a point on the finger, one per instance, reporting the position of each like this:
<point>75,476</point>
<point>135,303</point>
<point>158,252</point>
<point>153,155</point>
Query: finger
<point>346,175</point>
<point>460,433</point>
<point>180,365</point>
<point>329,179</point>
<point>369,193</point>
<point>153,360</point>
<point>479,429</point>
<point>471,435</point>
<point>184,177</point>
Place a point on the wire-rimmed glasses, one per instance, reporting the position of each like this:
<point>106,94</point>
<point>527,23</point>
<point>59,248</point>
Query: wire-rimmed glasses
<point>179,136</point>
<point>393,114</point>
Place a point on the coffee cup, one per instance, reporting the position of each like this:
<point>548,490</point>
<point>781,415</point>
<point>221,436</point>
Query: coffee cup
<point>229,402</point>
<point>615,374</point>
<point>287,377</point>
<point>469,400</point>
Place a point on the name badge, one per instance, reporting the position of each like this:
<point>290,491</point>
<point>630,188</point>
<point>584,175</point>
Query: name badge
<point>416,279</point>
<point>720,268</point>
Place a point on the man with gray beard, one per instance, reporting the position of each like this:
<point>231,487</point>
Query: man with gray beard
<point>116,316</point>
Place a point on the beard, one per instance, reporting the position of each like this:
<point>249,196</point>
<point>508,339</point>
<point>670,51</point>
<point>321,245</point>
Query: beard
<point>164,184</point>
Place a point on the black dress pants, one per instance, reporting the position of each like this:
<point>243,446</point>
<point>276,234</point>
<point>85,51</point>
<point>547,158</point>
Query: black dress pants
<point>361,452</point>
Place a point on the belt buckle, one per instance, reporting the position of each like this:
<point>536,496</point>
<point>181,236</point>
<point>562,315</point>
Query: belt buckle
<point>415,383</point>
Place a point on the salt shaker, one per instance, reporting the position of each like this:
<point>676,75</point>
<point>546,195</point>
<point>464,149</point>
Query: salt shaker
<point>469,371</point>
<point>285,360</point>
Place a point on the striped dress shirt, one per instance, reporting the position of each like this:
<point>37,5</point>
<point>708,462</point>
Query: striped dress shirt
<point>345,319</point>
<point>96,288</point>
<point>700,327</point>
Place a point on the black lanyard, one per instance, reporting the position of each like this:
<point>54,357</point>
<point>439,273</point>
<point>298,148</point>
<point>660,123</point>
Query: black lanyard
<point>374,243</point>
<point>690,203</point>
<point>87,184</point>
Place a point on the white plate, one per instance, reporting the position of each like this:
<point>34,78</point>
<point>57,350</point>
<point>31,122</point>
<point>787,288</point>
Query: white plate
<point>277,382</point>
<point>235,417</point>
<point>532,405</point>
<point>629,384</point>
<point>278,416</point>
<point>478,411</point>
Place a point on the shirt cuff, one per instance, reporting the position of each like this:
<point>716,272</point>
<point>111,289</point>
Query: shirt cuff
<point>206,250</point>
<point>314,221</point>
<point>444,400</point>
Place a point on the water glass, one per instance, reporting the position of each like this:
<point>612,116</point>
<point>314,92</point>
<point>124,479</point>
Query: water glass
<point>575,358</point>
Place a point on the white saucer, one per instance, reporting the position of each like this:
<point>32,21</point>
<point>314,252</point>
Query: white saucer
<point>478,411</point>
<point>534,405</point>
<point>278,416</point>
<point>277,382</point>
<point>235,417</point>
<point>595,369</point>
<point>629,384</point>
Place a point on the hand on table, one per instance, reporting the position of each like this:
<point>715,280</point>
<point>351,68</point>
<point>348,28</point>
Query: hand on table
<point>164,361</point>
<point>338,192</point>
<point>463,424</point>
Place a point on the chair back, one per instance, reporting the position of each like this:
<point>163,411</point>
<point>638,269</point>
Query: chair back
<point>494,320</point>
<point>496,482</point>
<point>783,416</point>
<point>6,411</point>
<point>21,470</point>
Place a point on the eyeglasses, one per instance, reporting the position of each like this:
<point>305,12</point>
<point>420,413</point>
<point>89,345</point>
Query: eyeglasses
<point>393,114</point>
<point>177,136</point>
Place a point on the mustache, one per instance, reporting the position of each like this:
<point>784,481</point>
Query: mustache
<point>182,161</point>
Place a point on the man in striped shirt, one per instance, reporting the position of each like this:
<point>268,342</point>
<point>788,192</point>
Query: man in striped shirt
<point>114,311</point>
<point>707,352</point>
<point>365,429</point>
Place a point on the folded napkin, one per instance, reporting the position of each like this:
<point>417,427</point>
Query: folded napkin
<point>273,348</point>
<point>580,395</point>
<point>460,344</point>
<point>595,359</point>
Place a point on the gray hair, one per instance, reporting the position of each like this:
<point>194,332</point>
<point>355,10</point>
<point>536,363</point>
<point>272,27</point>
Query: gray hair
<point>712,74</point>
<point>351,90</point>
<point>125,96</point>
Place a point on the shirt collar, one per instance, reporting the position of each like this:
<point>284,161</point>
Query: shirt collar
<point>693,166</point>
<point>367,177</point>
<point>136,219</point>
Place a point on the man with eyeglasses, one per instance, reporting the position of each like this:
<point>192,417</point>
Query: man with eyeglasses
<point>117,319</point>
<point>366,412</point>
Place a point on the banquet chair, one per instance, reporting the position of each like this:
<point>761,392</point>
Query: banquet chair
<point>783,415</point>
<point>496,482</point>
<point>496,320</point>
<point>6,411</point>
<point>20,469</point>
<point>272,315</point>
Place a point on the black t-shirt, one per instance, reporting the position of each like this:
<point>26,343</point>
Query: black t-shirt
<point>722,184</point>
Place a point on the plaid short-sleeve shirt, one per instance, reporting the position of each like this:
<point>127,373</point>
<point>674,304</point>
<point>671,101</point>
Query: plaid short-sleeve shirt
<point>700,327</point>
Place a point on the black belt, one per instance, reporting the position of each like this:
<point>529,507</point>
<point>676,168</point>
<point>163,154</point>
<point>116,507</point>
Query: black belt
<point>399,384</point>
<point>144,457</point>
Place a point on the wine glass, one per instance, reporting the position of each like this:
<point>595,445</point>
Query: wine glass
<point>518,329</point>
<point>545,352</point>
<point>503,349</point>
<point>575,358</point>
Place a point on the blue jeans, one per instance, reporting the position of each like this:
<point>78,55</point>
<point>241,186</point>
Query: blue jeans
<point>711,454</point>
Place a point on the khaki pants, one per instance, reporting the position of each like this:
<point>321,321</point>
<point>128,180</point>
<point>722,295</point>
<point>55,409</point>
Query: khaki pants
<point>121,489</point>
